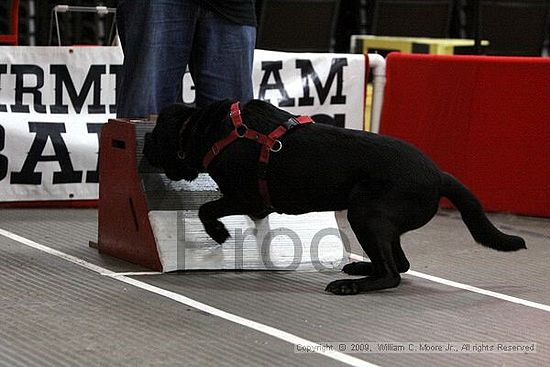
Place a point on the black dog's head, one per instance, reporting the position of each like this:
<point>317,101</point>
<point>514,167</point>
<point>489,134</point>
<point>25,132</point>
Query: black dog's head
<point>183,135</point>
<point>163,147</point>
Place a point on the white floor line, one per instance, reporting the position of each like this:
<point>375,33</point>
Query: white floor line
<point>133,273</point>
<point>450,283</point>
<point>265,329</point>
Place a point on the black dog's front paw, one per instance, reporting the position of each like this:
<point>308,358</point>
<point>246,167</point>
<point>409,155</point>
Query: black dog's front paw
<point>343,287</point>
<point>358,268</point>
<point>217,231</point>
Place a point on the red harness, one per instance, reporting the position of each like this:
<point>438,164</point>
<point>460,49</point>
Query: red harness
<point>270,143</point>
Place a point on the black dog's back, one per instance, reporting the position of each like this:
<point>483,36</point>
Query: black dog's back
<point>323,163</point>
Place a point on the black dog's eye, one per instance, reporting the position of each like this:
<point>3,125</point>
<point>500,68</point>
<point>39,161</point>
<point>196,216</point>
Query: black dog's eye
<point>181,154</point>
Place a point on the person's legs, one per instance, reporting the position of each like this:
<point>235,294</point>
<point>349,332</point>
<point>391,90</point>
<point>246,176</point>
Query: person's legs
<point>222,59</point>
<point>156,37</point>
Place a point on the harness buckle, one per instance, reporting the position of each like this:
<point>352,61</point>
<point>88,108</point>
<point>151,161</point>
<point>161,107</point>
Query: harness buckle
<point>241,130</point>
<point>277,146</point>
<point>290,123</point>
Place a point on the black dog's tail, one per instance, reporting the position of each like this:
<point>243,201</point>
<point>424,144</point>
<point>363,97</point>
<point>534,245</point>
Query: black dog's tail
<point>483,231</point>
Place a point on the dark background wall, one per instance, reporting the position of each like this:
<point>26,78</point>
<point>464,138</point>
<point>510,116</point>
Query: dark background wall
<point>518,29</point>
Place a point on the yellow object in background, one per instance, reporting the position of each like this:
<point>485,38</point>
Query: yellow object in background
<point>436,46</point>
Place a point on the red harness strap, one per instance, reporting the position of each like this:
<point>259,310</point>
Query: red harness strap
<point>270,143</point>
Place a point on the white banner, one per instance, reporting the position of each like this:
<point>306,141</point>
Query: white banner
<point>53,101</point>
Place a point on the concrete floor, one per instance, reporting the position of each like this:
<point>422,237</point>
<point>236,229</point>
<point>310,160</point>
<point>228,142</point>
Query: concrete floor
<point>63,304</point>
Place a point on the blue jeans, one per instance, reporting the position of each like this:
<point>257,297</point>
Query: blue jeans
<point>160,38</point>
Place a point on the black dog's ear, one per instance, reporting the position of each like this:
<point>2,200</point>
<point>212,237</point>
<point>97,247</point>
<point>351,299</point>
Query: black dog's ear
<point>218,108</point>
<point>211,114</point>
<point>221,107</point>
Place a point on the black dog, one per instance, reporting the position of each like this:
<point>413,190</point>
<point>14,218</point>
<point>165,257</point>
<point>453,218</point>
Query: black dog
<point>387,186</point>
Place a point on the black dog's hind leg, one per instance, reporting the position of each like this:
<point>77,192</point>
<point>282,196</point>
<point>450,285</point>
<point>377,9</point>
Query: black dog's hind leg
<point>403,264</point>
<point>376,234</point>
<point>359,268</point>
<point>209,214</point>
<point>366,267</point>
